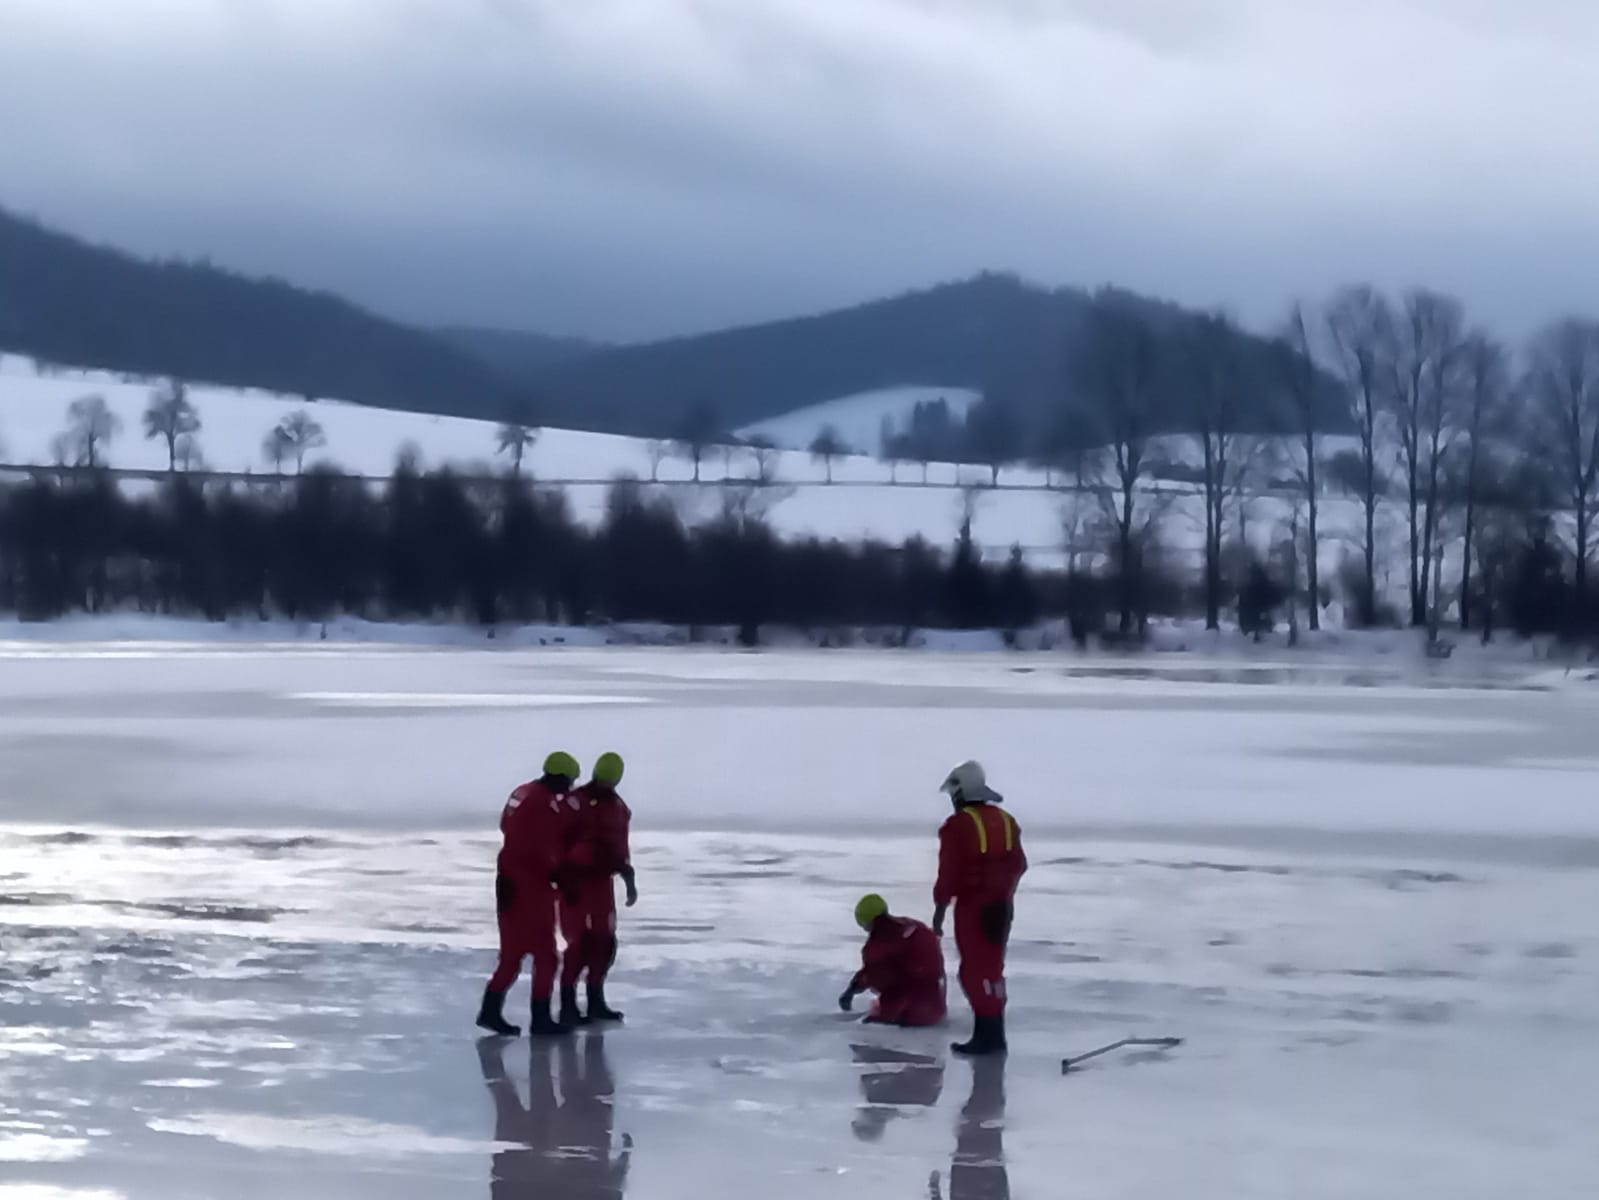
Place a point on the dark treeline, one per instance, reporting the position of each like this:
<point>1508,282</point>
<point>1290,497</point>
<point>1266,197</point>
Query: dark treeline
<point>439,546</point>
<point>436,546</point>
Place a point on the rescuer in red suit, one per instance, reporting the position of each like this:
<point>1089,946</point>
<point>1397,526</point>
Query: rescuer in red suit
<point>536,823</point>
<point>598,853</point>
<point>902,962</point>
<point>980,862</point>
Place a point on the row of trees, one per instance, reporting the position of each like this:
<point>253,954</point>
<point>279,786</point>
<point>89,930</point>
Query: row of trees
<point>1481,446</point>
<point>170,417</point>
<point>435,545</point>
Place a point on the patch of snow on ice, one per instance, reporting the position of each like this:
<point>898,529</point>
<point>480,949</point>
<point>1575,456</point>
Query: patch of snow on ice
<point>317,1135</point>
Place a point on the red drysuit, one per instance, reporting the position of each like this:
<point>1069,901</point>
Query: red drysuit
<point>980,862</point>
<point>598,852</point>
<point>536,823</point>
<point>904,964</point>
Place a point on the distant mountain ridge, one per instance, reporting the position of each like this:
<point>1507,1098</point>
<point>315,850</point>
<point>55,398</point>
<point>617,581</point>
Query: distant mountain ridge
<point>954,335</point>
<point>67,301</point>
<point>995,334</point>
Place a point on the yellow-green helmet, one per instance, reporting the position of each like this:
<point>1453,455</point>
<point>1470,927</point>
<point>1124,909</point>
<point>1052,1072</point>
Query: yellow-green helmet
<point>869,908</point>
<point>559,762</point>
<point>608,769</point>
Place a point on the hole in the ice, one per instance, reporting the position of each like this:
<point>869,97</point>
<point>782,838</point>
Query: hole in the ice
<point>1552,950</point>
<point>1224,868</point>
<point>1410,973</point>
<point>1437,1012</point>
<point>70,837</point>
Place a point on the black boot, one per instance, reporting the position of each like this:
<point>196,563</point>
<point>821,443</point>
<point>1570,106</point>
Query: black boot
<point>598,1009</point>
<point>988,1037</point>
<point>570,1016</point>
<point>543,1025</point>
<point>491,1015</point>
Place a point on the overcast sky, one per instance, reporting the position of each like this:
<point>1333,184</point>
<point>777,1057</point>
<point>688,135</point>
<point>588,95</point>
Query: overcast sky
<point>632,168</point>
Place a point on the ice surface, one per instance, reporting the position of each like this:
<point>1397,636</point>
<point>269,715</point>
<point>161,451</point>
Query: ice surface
<point>244,930</point>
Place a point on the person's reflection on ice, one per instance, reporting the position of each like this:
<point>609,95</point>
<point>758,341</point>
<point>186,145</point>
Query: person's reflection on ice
<point>898,1080</point>
<point>562,1140</point>
<point>977,1169</point>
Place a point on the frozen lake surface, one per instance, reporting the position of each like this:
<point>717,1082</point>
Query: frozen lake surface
<point>246,914</point>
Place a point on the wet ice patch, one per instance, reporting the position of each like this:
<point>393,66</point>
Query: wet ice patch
<point>39,1148</point>
<point>461,699</point>
<point>330,1135</point>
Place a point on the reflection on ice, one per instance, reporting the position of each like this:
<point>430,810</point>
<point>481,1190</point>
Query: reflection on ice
<point>895,1080</point>
<point>564,1142</point>
<point>977,1170</point>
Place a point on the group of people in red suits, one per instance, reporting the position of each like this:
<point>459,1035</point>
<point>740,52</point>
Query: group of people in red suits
<point>565,845</point>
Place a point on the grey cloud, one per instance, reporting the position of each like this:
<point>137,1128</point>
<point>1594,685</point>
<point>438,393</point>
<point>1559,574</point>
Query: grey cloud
<point>635,167</point>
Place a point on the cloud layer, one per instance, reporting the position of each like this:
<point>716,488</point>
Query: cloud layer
<point>635,167</point>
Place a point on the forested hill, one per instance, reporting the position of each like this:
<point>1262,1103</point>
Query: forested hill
<point>955,335</point>
<point>993,333</point>
<point>66,301</point>
<point>515,354</point>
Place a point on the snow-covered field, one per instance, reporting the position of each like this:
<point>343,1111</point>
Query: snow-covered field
<point>857,419</point>
<point>367,441</point>
<point>245,915</point>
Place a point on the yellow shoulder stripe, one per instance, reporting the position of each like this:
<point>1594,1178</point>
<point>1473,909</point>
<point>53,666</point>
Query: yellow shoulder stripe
<point>982,830</point>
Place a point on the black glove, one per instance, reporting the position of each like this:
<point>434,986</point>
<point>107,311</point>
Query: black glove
<point>846,999</point>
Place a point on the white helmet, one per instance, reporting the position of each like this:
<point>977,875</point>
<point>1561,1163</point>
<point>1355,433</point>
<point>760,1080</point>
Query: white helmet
<point>967,782</point>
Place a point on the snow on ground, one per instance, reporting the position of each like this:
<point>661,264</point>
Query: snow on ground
<point>858,419</point>
<point>245,904</point>
<point>367,440</point>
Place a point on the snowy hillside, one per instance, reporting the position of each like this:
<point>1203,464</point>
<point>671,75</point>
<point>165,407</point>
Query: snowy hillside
<point>859,504</point>
<point>858,419</point>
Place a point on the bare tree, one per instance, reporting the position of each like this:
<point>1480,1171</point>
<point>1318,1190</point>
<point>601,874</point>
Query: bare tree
<point>300,434</point>
<point>186,454</point>
<point>171,417</point>
<point>275,448</point>
<point>888,448</point>
<point>1214,367</point>
<point>515,440</point>
<point>695,433</point>
<point>1425,367</point>
<point>1301,384</point>
<point>658,452</point>
<point>767,457</point>
<point>1487,390</point>
<point>931,433</point>
<point>1562,383</point>
<point>1360,328</point>
<point>1115,367</point>
<point>91,426</point>
<point>994,433</point>
<point>827,447</point>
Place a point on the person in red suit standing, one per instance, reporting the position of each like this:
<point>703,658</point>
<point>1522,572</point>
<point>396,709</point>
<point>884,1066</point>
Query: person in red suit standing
<point>980,862</point>
<point>599,852</point>
<point>536,823</point>
<point>903,963</point>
